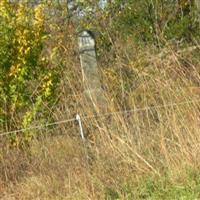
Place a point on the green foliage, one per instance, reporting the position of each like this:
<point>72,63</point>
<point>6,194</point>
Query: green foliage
<point>164,188</point>
<point>147,21</point>
<point>111,194</point>
<point>156,21</point>
<point>152,188</point>
<point>26,84</point>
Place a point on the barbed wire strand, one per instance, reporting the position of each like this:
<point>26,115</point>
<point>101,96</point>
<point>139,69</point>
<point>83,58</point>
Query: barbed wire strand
<point>37,127</point>
<point>100,116</point>
<point>141,109</point>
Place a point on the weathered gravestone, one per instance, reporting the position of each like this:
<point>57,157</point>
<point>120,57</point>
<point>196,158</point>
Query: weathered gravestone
<point>87,48</point>
<point>89,68</point>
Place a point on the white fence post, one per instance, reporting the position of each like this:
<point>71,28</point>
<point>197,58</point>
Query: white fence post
<point>78,119</point>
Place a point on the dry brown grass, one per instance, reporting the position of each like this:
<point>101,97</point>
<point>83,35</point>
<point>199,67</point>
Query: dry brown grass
<point>120,148</point>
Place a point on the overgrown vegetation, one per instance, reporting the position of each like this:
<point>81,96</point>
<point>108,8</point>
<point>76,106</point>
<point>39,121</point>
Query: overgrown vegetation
<point>26,83</point>
<point>148,59</point>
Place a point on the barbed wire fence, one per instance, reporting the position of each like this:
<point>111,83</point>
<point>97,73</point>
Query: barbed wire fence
<point>80,118</point>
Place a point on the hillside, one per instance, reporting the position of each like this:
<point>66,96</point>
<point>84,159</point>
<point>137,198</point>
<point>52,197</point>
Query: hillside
<point>136,94</point>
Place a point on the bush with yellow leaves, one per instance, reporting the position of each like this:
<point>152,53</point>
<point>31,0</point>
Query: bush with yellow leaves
<point>25,82</point>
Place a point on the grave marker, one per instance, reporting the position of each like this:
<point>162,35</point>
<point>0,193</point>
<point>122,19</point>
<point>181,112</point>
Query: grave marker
<point>90,74</point>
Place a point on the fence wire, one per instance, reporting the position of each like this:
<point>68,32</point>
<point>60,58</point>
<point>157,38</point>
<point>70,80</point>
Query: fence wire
<point>85,117</point>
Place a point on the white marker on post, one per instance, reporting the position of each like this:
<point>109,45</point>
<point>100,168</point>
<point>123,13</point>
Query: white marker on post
<point>78,118</point>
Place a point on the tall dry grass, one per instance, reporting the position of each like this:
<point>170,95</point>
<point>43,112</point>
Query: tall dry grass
<point>161,136</point>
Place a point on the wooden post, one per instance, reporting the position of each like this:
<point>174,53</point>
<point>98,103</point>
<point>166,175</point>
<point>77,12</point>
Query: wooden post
<point>89,68</point>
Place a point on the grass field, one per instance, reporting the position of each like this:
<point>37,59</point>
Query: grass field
<point>150,153</point>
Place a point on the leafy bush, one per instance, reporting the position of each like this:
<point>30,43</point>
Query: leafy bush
<point>25,81</point>
<point>155,21</point>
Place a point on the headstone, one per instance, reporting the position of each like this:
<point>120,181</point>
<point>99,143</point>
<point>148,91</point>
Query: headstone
<point>89,68</point>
